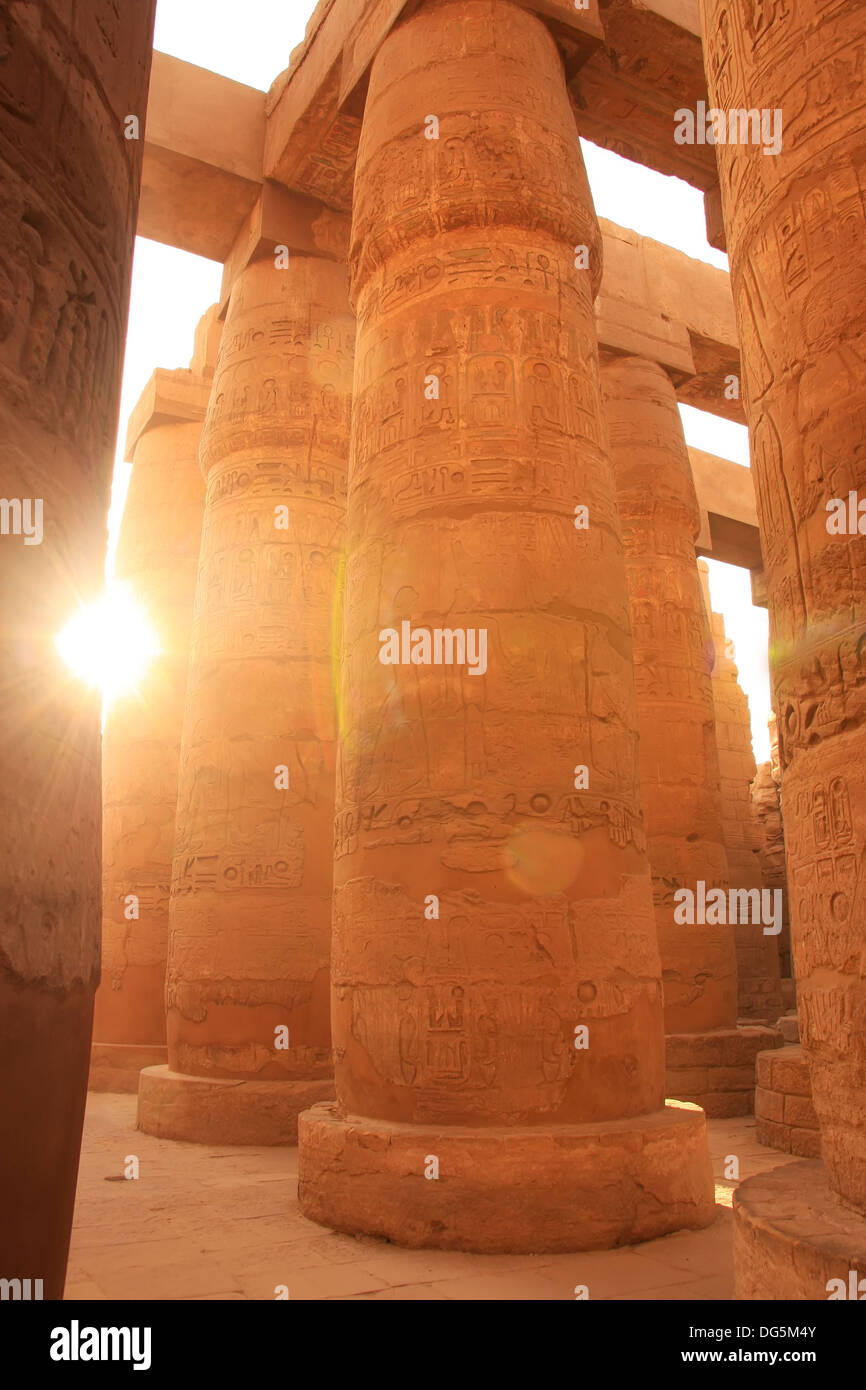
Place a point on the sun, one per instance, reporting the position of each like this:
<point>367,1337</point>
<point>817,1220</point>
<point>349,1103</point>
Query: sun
<point>110,643</point>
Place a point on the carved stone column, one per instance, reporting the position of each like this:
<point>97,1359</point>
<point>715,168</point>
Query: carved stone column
<point>759,988</point>
<point>796,234</point>
<point>157,560</point>
<point>247,987</point>
<point>709,1060</point>
<point>497,1005</point>
<point>67,219</point>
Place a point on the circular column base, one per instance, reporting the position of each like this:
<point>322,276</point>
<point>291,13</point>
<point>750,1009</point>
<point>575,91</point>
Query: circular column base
<point>717,1069</point>
<point>792,1235</point>
<point>221,1110</point>
<point>514,1190</point>
<point>117,1066</point>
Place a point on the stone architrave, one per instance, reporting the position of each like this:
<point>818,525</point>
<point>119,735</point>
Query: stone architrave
<point>759,988</point>
<point>70,179</point>
<point>157,562</point>
<point>247,988</point>
<point>795,224</point>
<point>496,995</point>
<point>709,1060</point>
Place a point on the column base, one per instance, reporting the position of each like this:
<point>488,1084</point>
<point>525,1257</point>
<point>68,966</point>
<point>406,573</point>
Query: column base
<point>785,1117</point>
<point>792,1235</point>
<point>716,1069</point>
<point>116,1066</point>
<point>221,1110</point>
<point>507,1191</point>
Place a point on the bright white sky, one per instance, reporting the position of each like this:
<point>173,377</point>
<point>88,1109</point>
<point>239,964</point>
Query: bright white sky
<point>171,289</point>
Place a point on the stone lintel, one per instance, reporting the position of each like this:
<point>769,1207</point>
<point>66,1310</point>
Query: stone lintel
<point>638,331</point>
<point>168,398</point>
<point>657,302</point>
<point>203,153</point>
<point>729,519</point>
<point>626,94</point>
<point>303,226</point>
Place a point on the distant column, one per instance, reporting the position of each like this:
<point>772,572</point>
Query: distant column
<point>247,988</point>
<point>157,562</point>
<point>709,1060</point>
<point>759,988</point>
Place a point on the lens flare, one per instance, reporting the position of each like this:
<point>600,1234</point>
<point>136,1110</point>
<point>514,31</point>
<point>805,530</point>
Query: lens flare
<point>110,643</point>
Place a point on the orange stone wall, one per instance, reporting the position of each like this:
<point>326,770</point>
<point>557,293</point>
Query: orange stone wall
<point>68,77</point>
<point>796,230</point>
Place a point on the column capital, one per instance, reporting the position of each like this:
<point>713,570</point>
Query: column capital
<point>169,398</point>
<point>278,218</point>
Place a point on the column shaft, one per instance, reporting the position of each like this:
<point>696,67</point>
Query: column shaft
<point>70,190</point>
<point>247,981</point>
<point>157,562</point>
<point>485,909</point>
<point>796,232</point>
<point>709,1060</point>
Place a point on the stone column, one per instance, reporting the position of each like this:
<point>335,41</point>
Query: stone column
<point>67,219</point>
<point>496,999</point>
<point>767,814</point>
<point>247,989</point>
<point>157,561</point>
<point>796,233</point>
<point>759,989</point>
<point>709,1060</point>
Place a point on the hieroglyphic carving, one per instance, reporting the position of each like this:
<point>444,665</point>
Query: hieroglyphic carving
<point>680,779</point>
<point>795,230</point>
<point>462,508</point>
<point>252,851</point>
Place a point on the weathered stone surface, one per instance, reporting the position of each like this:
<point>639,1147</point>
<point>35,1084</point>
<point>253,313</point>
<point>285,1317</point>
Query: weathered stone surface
<point>792,1236</point>
<point>251,889</point>
<point>219,1110</point>
<point>461,786</point>
<point>680,782</point>
<point>766,812</point>
<point>795,228</point>
<point>785,1115</point>
<point>157,560</point>
<point>70,187</point>
<point>563,1187</point>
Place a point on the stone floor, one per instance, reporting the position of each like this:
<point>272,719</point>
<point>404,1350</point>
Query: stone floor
<point>223,1223</point>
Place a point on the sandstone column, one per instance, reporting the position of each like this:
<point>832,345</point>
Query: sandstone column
<point>709,1060</point>
<point>67,219</point>
<point>796,234</point>
<point>759,989</point>
<point>157,560</point>
<point>767,817</point>
<point>496,1000</point>
<point>247,978</point>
